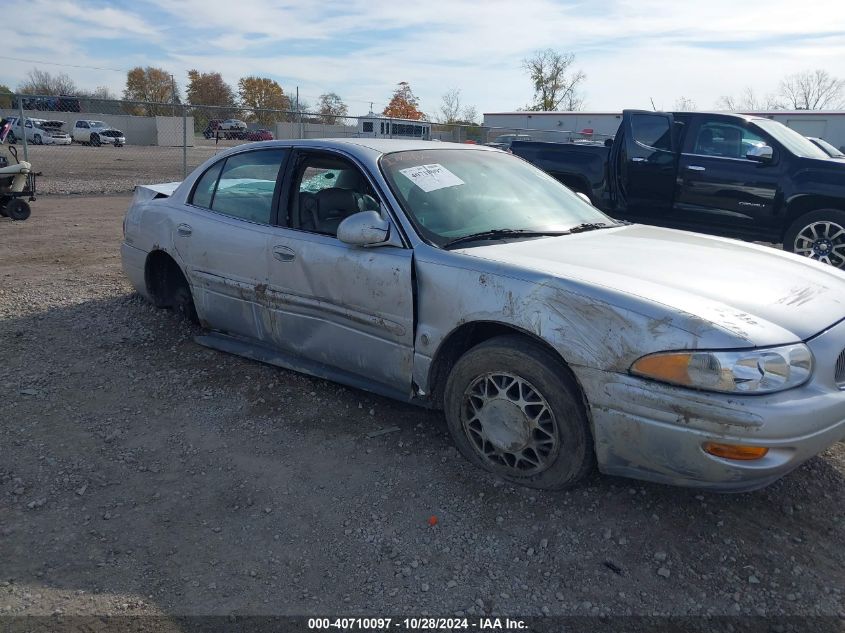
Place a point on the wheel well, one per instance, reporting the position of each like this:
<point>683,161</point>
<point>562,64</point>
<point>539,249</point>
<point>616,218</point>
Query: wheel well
<point>805,204</point>
<point>162,276</point>
<point>467,336</point>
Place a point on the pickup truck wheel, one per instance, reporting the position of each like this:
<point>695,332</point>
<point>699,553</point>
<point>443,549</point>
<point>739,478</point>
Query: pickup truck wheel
<point>95,140</point>
<point>819,235</point>
<point>37,139</point>
<point>11,138</point>
<point>513,409</point>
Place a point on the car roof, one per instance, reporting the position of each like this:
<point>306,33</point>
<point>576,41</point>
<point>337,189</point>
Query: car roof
<point>379,145</point>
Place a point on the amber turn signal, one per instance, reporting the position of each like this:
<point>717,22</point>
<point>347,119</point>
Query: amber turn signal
<point>734,451</point>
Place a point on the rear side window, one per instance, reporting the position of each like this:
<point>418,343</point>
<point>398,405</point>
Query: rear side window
<point>204,189</point>
<point>246,185</point>
<point>652,131</point>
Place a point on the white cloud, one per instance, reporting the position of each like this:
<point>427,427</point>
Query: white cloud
<point>631,50</point>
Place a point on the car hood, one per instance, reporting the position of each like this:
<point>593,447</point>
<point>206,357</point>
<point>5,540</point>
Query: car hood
<point>759,294</point>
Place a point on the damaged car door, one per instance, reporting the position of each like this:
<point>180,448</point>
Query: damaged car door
<point>347,308</point>
<point>223,239</point>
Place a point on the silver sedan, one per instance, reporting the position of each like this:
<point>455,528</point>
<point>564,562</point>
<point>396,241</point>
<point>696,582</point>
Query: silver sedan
<point>461,278</point>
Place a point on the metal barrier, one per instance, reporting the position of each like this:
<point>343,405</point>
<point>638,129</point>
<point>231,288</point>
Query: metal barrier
<point>88,145</point>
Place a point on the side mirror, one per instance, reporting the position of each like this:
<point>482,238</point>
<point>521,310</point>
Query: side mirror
<point>365,228</point>
<point>760,154</point>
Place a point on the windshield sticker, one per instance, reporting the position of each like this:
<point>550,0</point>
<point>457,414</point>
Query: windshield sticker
<point>431,177</point>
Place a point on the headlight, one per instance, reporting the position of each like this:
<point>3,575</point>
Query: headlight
<point>751,371</point>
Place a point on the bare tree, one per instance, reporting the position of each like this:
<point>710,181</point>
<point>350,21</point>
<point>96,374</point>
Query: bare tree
<point>470,115</point>
<point>100,92</point>
<point>813,90</point>
<point>684,104</point>
<point>40,82</point>
<point>748,101</point>
<point>332,108</point>
<point>555,81</point>
<point>450,106</point>
<point>453,111</point>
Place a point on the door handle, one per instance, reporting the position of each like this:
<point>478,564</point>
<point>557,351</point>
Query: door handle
<point>638,159</point>
<point>184,230</point>
<point>283,254</point>
<point>695,168</point>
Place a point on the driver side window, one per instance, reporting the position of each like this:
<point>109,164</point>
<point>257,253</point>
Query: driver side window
<point>725,140</point>
<point>326,190</point>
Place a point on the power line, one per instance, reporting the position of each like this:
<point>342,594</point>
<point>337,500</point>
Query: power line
<point>35,61</point>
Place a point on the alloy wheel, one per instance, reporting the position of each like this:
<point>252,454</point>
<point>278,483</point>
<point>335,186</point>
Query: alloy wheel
<point>823,241</point>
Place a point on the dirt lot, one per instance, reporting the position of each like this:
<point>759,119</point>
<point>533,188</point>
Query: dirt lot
<point>80,169</point>
<point>142,473</point>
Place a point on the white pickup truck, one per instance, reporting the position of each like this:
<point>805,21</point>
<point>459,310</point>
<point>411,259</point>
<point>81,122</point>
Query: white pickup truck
<point>38,131</point>
<point>96,133</point>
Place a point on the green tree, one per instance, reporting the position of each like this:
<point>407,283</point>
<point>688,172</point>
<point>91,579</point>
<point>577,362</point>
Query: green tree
<point>5,96</point>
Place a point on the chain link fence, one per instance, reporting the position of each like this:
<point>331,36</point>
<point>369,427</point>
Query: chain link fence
<point>86,145</point>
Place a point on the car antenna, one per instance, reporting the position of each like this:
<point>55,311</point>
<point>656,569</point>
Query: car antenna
<point>653,107</point>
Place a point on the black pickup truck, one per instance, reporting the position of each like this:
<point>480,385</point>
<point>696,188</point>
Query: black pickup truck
<point>726,174</point>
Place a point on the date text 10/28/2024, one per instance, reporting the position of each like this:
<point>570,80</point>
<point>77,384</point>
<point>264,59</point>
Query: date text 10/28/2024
<point>416,624</point>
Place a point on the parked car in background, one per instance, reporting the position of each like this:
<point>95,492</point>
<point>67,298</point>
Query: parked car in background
<point>97,133</point>
<point>460,277</point>
<point>259,135</point>
<point>232,124</point>
<point>211,127</point>
<point>504,141</point>
<point>827,148</point>
<point>725,174</point>
<point>38,132</point>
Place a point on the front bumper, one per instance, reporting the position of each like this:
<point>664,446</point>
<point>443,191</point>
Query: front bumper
<point>648,430</point>
<point>61,140</point>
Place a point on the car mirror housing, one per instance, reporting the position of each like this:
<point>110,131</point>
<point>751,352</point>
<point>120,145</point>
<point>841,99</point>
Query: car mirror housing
<point>365,228</point>
<point>760,154</point>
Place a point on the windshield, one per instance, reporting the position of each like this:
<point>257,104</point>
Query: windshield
<point>97,124</point>
<point>827,147</point>
<point>451,193</point>
<point>790,139</point>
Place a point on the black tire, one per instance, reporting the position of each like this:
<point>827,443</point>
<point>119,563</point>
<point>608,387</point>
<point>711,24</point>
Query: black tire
<point>824,224</point>
<point>95,140</point>
<point>18,209</point>
<point>11,138</point>
<point>38,140</point>
<point>541,379</point>
<point>170,289</point>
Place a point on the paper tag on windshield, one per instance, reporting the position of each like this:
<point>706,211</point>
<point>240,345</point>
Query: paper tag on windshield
<point>431,177</point>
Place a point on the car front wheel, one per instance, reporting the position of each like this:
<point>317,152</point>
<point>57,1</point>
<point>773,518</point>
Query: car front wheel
<point>819,235</point>
<point>514,409</point>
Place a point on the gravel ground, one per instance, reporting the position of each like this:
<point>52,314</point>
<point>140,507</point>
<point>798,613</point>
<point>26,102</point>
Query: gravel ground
<point>143,474</point>
<point>80,169</point>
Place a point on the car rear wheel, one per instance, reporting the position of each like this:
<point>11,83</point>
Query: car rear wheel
<point>95,140</point>
<point>38,140</point>
<point>513,409</point>
<point>819,235</point>
<point>11,138</point>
